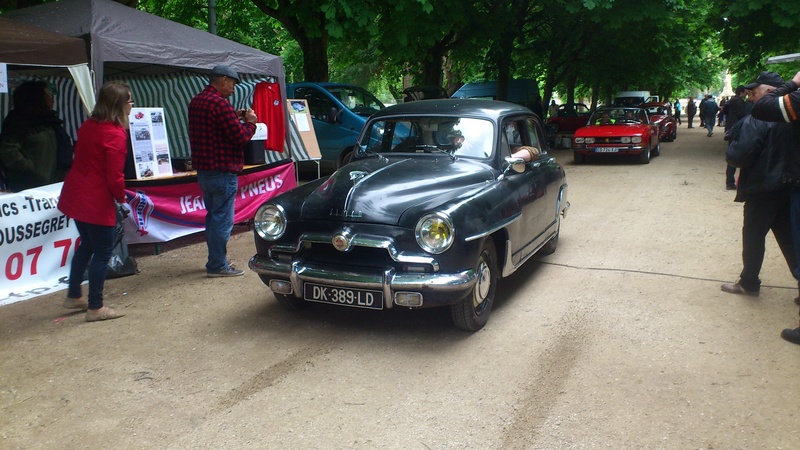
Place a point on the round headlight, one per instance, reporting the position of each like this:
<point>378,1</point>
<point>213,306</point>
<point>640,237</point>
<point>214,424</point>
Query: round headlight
<point>270,222</point>
<point>579,140</point>
<point>636,139</point>
<point>625,139</point>
<point>435,233</point>
<point>590,140</point>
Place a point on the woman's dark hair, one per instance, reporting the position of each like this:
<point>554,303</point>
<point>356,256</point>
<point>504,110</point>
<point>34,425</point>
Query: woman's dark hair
<point>30,98</point>
<point>111,103</point>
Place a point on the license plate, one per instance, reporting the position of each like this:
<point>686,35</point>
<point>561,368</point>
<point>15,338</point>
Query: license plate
<point>358,298</point>
<point>606,150</point>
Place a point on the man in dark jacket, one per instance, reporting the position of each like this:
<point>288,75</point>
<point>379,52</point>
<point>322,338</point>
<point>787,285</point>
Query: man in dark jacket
<point>691,110</point>
<point>710,110</point>
<point>735,111</point>
<point>760,149</point>
<point>783,105</point>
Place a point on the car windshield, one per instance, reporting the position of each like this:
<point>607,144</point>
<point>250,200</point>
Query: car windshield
<point>356,99</point>
<point>605,116</point>
<point>465,137</point>
<point>657,110</point>
<point>572,110</point>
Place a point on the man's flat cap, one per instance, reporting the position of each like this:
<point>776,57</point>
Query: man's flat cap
<point>768,78</point>
<point>225,71</point>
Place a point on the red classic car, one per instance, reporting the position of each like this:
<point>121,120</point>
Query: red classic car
<point>568,118</point>
<point>661,114</point>
<point>621,131</point>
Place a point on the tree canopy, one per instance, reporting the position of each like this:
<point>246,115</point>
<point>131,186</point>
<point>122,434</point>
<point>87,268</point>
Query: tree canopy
<point>578,48</point>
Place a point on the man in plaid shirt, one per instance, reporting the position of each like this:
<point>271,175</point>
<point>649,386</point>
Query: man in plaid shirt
<point>217,136</point>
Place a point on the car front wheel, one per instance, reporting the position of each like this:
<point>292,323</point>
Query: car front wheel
<point>644,156</point>
<point>472,312</point>
<point>552,244</point>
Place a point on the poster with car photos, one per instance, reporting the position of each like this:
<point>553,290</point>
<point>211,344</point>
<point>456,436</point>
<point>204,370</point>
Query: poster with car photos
<point>149,143</point>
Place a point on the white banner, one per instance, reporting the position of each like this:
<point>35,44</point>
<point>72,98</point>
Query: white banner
<point>37,243</point>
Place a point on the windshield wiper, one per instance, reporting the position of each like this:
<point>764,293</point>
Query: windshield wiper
<point>367,151</point>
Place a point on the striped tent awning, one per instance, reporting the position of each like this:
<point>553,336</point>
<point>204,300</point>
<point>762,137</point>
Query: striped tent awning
<point>171,92</point>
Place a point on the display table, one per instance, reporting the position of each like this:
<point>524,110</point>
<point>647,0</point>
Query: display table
<point>167,208</point>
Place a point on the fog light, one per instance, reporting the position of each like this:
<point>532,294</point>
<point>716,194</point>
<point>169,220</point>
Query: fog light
<point>280,287</point>
<point>410,299</point>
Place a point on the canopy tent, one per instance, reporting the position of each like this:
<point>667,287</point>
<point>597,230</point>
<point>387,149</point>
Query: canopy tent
<point>34,50</point>
<point>124,39</point>
<point>125,43</point>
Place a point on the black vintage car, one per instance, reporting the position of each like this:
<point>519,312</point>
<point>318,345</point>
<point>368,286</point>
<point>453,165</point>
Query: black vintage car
<point>431,211</point>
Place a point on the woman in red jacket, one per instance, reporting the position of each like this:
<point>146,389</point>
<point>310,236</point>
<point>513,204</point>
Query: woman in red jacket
<point>93,187</point>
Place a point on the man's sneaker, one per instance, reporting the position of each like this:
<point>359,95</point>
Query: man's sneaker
<point>226,272</point>
<point>791,335</point>
<point>736,288</point>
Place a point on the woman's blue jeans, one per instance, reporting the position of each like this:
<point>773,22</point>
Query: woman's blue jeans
<point>94,252</point>
<point>219,194</point>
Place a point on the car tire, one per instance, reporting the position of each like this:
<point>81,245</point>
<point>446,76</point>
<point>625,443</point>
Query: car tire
<point>344,158</point>
<point>289,302</point>
<point>644,156</point>
<point>472,312</point>
<point>578,158</point>
<point>657,150</point>
<point>550,247</point>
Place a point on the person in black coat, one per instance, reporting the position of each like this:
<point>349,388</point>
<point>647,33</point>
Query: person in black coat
<point>735,112</point>
<point>782,105</point>
<point>762,151</point>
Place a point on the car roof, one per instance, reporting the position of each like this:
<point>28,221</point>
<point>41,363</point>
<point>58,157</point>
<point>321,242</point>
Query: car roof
<point>651,104</point>
<point>456,107</point>
<point>322,84</point>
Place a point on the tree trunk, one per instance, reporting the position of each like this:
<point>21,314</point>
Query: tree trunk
<point>315,59</point>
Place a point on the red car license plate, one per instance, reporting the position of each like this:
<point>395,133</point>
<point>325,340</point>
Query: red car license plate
<point>606,150</point>
<point>358,298</point>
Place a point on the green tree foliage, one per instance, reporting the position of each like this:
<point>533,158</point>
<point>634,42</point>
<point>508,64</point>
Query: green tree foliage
<point>752,30</point>
<point>579,48</point>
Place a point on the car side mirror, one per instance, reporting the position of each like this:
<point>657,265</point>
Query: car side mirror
<point>515,164</point>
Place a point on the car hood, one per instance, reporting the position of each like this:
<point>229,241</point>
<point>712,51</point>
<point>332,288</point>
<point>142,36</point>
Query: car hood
<point>380,190</point>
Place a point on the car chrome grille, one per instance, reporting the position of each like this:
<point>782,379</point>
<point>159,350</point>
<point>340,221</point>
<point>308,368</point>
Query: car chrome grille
<point>356,257</point>
<point>608,140</point>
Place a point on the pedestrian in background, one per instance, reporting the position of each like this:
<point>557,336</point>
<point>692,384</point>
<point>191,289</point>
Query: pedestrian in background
<point>722,112</point>
<point>677,108</point>
<point>35,149</point>
<point>552,109</point>
<point>783,105</point>
<point>710,114</point>
<point>691,110</point>
<point>701,107</point>
<point>217,136</point>
<point>92,189</point>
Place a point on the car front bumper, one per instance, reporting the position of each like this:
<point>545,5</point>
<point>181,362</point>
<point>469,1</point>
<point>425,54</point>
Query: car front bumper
<point>611,149</point>
<point>434,289</point>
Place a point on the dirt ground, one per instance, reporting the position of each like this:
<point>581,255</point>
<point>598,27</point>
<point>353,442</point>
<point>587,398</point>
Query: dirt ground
<point>622,339</point>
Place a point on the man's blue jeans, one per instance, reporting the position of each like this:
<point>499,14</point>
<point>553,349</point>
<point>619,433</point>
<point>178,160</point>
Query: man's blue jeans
<point>710,125</point>
<point>219,193</point>
<point>94,252</point>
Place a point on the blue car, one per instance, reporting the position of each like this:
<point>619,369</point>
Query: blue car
<point>338,112</point>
